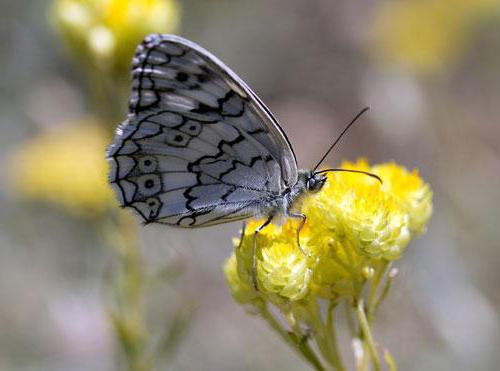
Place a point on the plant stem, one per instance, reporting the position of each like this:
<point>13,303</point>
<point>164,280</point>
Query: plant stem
<point>367,335</point>
<point>351,324</point>
<point>127,287</point>
<point>389,359</point>
<point>332,336</point>
<point>385,290</point>
<point>374,289</point>
<point>301,345</point>
<point>327,345</point>
<point>360,358</point>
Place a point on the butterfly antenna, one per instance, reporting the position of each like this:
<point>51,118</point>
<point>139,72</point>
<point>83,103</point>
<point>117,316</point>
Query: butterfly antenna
<point>352,171</point>
<point>340,136</point>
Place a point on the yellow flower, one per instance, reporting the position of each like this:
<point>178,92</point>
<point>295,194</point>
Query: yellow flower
<point>285,270</point>
<point>107,31</point>
<point>67,168</point>
<point>282,269</point>
<point>242,290</point>
<point>364,214</point>
<point>414,195</point>
<point>333,275</point>
<point>353,224</point>
<point>426,35</point>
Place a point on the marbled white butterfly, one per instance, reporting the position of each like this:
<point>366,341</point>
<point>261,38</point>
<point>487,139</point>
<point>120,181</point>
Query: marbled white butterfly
<point>199,147</point>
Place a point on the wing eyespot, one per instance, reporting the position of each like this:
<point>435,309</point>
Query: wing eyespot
<point>149,184</point>
<point>147,164</point>
<point>192,128</point>
<point>177,139</point>
<point>154,205</point>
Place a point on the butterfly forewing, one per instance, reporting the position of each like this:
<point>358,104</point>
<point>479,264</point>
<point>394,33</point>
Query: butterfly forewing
<point>198,147</point>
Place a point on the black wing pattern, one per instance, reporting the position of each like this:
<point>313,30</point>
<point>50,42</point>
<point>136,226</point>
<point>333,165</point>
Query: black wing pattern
<point>199,147</point>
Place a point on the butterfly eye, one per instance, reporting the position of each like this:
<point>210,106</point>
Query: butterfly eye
<point>315,183</point>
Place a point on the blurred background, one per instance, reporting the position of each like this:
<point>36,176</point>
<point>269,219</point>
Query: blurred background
<point>72,292</point>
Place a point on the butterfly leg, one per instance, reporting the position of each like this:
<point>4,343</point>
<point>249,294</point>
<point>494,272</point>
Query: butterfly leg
<point>303,219</point>
<point>254,251</point>
<point>242,236</point>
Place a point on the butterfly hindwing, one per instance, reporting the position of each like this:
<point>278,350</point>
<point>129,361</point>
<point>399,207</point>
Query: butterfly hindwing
<point>198,147</point>
<point>176,173</point>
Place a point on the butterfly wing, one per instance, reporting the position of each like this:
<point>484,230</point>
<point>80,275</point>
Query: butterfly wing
<point>199,147</point>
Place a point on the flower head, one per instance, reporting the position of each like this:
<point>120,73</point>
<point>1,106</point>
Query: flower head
<point>66,168</point>
<point>426,35</point>
<point>410,191</point>
<point>353,224</point>
<point>242,291</point>
<point>106,32</point>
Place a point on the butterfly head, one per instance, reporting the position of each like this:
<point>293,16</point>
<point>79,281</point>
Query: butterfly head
<point>314,181</point>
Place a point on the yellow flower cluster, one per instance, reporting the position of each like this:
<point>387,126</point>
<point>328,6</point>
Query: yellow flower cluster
<point>354,225</point>
<point>107,31</point>
<point>67,168</point>
<point>426,35</point>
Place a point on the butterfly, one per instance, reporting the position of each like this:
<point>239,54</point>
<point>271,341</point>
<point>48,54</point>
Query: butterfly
<point>199,147</point>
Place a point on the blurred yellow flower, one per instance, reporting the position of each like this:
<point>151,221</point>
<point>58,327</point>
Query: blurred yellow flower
<point>426,35</point>
<point>353,224</point>
<point>107,31</point>
<point>67,168</point>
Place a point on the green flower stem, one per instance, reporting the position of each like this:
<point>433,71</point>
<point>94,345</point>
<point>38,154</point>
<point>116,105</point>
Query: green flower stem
<point>127,286</point>
<point>351,323</point>
<point>385,290</point>
<point>389,359</point>
<point>367,335</point>
<point>323,336</point>
<point>332,335</point>
<point>360,354</point>
<point>299,344</point>
<point>373,297</point>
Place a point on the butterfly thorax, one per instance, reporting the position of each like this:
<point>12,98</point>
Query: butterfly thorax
<point>291,199</point>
